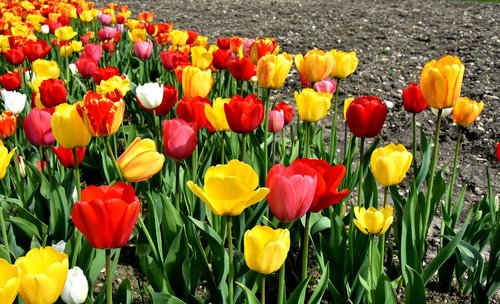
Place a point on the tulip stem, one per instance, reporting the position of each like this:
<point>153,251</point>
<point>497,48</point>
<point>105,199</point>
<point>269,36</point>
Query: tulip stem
<point>283,147</point>
<point>113,158</point>
<point>230,253</point>
<point>4,234</point>
<point>109,291</point>
<point>333,130</point>
<point>222,141</point>
<point>177,185</point>
<point>142,225</point>
<point>263,290</point>
<point>305,249</point>
<point>454,172</point>
<point>273,150</point>
<point>306,150</point>
<point>372,272</point>
<point>346,129</point>
<point>432,169</point>
<point>40,151</point>
<point>243,147</point>
<point>361,173</point>
<point>265,97</point>
<point>77,176</point>
<point>281,285</point>
<point>414,127</point>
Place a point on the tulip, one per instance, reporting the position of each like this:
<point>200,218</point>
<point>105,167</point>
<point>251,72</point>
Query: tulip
<point>366,116</point>
<point>244,114</point>
<point>9,282</point>
<point>242,69</point>
<point>112,84</point>
<point>106,215</point>
<point>38,129</point>
<point>291,190</point>
<point>143,49</point>
<point>224,43</point>
<point>52,92</point>
<point>13,101</point>
<point>68,128</point>
<point>105,74</point>
<point>444,112</point>
<point>196,82</point>
<point>216,115</point>
<point>35,50</point>
<point>5,157</point>
<point>180,138</point>
<point>326,86</point>
<point>92,50</point>
<point>311,105</point>
<point>179,38</point>
<point>413,100</point>
<point>345,64</point>
<point>43,274</point>
<point>66,157</point>
<point>287,111</point>
<point>14,56</point>
<point>169,98</point>
<point>229,188</point>
<point>102,114</point>
<point>272,70</point>
<point>466,111</point>
<point>8,124</point>
<point>106,33</point>
<point>315,66</point>
<point>45,68</point>
<point>201,57</point>
<point>76,287</point>
<point>140,160</point>
<point>221,58</point>
<point>275,121</point>
<point>261,47</point>
<point>266,249</point>
<point>390,164</point>
<point>10,81</point>
<point>192,110</point>
<point>497,152</point>
<point>171,60</point>
<point>347,102</point>
<point>441,81</point>
<point>149,95</point>
<point>373,221</point>
<point>86,66</point>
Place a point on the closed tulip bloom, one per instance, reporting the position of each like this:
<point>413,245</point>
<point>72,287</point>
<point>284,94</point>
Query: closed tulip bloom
<point>272,70</point>
<point>38,129</point>
<point>52,92</point>
<point>140,160</point>
<point>466,111</point>
<point>287,109</point>
<point>390,163</point>
<point>326,86</point>
<point>497,152</point>
<point>13,101</point>
<point>10,81</point>
<point>221,58</point>
<point>14,56</point>
<point>143,49</point>
<point>261,47</point>
<point>216,115</point>
<point>5,157</point>
<point>413,99</point>
<point>43,274</point>
<point>102,114</point>
<point>106,215</point>
<point>171,60</point>
<point>178,38</point>
<point>92,50</point>
<point>8,124</point>
<point>192,110</point>
<point>230,188</point>
<point>244,114</point>
<point>68,128</point>
<point>46,68</point>
<point>65,33</point>
<point>66,157</point>
<point>312,105</point>
<point>441,81</point>
<point>9,282</point>
<point>366,116</point>
<point>373,221</point>
<point>149,95</point>
<point>201,57</point>
<point>180,138</point>
<point>196,82</point>
<point>36,49</point>
<point>266,249</point>
<point>345,63</point>
<point>86,66</point>
<point>276,121</point>
<point>291,190</point>
<point>76,287</point>
<point>347,103</point>
<point>241,69</point>
<point>315,66</point>
<point>169,98</point>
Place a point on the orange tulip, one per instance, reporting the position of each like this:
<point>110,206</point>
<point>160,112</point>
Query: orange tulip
<point>102,114</point>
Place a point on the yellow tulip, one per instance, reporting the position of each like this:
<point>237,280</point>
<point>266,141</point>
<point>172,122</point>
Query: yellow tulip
<point>65,51</point>
<point>196,82</point>
<point>312,105</point>
<point>230,188</point>
<point>441,81</point>
<point>87,16</point>
<point>5,157</point>
<point>272,70</point>
<point>216,115</point>
<point>37,21</point>
<point>46,68</point>
<point>137,34</point>
<point>76,46</point>
<point>345,64</point>
<point>20,30</point>
<point>132,23</point>
<point>201,57</point>
<point>68,128</point>
<point>466,111</point>
<point>178,38</point>
<point>9,282</point>
<point>266,248</point>
<point>373,221</point>
<point>315,66</point>
<point>390,164</point>
<point>140,160</point>
<point>65,33</point>
<point>43,274</point>
<point>115,82</point>
<point>347,102</point>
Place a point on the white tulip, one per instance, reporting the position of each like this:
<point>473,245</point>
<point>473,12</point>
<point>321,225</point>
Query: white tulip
<point>446,112</point>
<point>76,287</point>
<point>72,67</point>
<point>59,246</point>
<point>150,94</point>
<point>13,101</point>
<point>45,29</point>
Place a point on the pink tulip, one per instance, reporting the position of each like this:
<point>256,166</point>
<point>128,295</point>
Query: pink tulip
<point>276,121</point>
<point>105,19</point>
<point>92,50</point>
<point>86,66</point>
<point>37,128</point>
<point>180,138</point>
<point>106,33</point>
<point>326,86</point>
<point>292,190</point>
<point>143,49</point>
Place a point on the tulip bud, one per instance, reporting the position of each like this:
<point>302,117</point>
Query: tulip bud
<point>149,95</point>
<point>140,160</point>
<point>276,121</point>
<point>326,86</point>
<point>13,101</point>
<point>59,246</point>
<point>180,138</point>
<point>22,166</point>
<point>466,111</point>
<point>444,113</point>
<point>373,221</point>
<point>498,151</point>
<point>76,287</point>
<point>266,249</point>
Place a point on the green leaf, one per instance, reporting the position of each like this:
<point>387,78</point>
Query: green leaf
<point>415,290</point>
<point>321,287</point>
<point>164,298</point>
<point>124,293</point>
<point>334,293</point>
<point>425,151</point>
<point>320,225</point>
<point>299,294</point>
<point>384,293</point>
<point>249,295</point>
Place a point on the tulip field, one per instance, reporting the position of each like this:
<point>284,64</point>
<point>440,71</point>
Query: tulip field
<point>233,169</point>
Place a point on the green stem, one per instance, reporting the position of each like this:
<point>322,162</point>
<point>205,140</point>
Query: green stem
<point>454,172</point>
<point>265,96</point>
<point>307,139</point>
<point>346,129</point>
<point>149,239</point>
<point>243,147</point>
<point>414,127</point>
<point>177,185</point>
<point>281,285</point>
<point>305,249</point>
<point>361,173</point>
<point>263,290</point>
<point>222,141</point>
<point>113,158</point>
<point>333,130</point>
<point>372,272</point>
<point>273,150</point>
<point>109,291</point>
<point>4,234</point>
<point>283,152</point>
<point>77,176</point>
<point>432,170</point>
<point>40,152</point>
<point>50,171</point>
<point>230,279</point>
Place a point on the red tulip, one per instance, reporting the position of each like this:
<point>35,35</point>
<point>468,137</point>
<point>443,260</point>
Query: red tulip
<point>66,157</point>
<point>244,114</point>
<point>498,151</point>
<point>14,56</point>
<point>171,60</point>
<point>292,190</point>
<point>86,66</point>
<point>92,50</point>
<point>180,138</point>
<point>413,100</point>
<point>221,59</point>
<point>52,92</point>
<point>241,69</point>
<point>366,116</point>
<point>192,110</point>
<point>224,43</point>
<point>38,129</point>
<point>11,81</point>
<point>192,36</point>
<point>287,111</point>
<point>105,74</point>
<point>8,124</point>
<point>36,49</point>
<point>329,179</point>
<point>106,215</point>
<point>108,46</point>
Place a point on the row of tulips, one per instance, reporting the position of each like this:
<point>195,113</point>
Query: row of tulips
<point>90,80</point>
